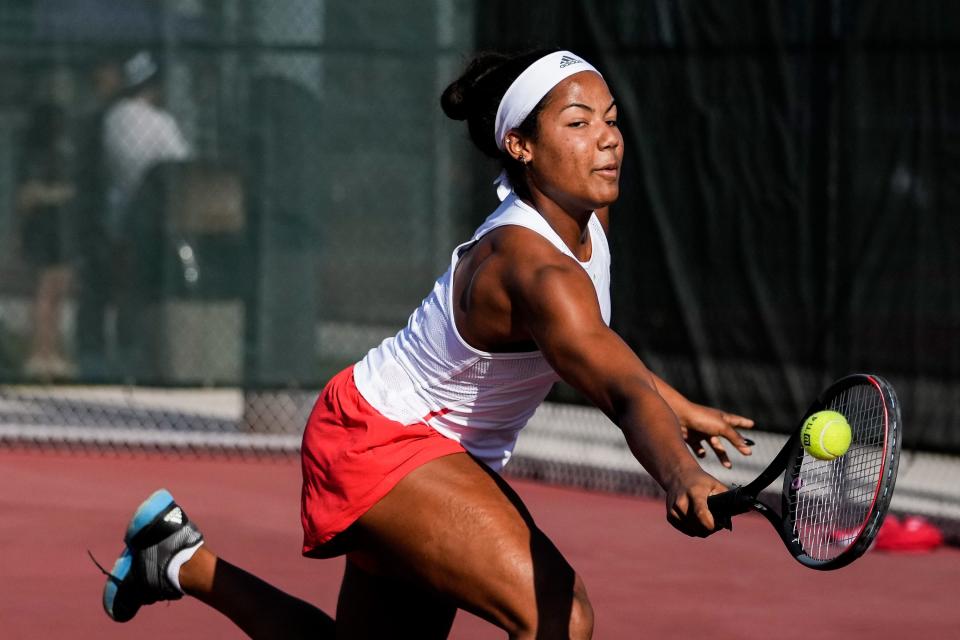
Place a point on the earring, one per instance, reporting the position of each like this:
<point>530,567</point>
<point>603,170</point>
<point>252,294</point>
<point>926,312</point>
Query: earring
<point>523,160</point>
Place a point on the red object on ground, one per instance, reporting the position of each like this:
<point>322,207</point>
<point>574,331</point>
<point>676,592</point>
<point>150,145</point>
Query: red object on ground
<point>911,534</point>
<point>645,580</point>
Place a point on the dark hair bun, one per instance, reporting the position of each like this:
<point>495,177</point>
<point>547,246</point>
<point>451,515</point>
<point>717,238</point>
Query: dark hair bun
<point>458,98</point>
<point>454,101</point>
<point>476,94</point>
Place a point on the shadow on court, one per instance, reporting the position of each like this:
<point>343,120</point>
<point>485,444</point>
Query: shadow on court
<point>644,579</point>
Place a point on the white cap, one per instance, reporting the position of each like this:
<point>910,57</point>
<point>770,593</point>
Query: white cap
<point>139,69</point>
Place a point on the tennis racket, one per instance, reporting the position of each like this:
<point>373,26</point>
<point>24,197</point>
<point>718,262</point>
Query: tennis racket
<point>830,511</point>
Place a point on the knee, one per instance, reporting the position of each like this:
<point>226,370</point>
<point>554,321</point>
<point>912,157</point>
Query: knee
<point>575,621</point>
<point>581,612</point>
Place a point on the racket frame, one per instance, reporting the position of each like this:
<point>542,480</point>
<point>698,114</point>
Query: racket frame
<point>743,499</point>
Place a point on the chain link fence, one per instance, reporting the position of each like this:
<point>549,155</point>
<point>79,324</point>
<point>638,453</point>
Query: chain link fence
<point>221,193</point>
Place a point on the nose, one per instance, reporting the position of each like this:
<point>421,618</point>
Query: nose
<point>609,138</point>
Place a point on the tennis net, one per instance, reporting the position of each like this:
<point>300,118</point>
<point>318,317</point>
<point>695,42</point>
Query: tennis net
<point>563,443</point>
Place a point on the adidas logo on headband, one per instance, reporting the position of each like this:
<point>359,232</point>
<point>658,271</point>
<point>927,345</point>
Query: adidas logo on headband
<point>566,61</point>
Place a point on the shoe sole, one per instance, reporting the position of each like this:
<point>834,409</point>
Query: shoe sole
<point>121,568</point>
<point>146,515</point>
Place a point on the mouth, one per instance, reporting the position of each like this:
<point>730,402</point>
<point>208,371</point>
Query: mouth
<point>608,170</point>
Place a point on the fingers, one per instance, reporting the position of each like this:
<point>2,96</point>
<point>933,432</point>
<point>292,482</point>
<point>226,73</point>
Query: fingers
<point>704,423</point>
<point>736,440</point>
<point>703,514</point>
<point>717,445</point>
<point>691,515</point>
<point>695,442</point>
<point>737,421</point>
<point>676,513</point>
<point>730,433</point>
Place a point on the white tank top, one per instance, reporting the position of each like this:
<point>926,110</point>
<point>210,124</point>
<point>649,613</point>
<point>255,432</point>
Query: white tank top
<point>428,373</point>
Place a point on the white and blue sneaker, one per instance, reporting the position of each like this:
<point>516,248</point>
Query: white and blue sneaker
<point>158,531</point>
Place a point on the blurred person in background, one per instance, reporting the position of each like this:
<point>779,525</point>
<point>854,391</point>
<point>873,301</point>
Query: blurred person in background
<point>138,134</point>
<point>95,250</point>
<point>44,197</point>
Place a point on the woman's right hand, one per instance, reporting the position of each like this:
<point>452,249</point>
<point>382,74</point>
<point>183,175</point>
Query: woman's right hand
<point>687,495</point>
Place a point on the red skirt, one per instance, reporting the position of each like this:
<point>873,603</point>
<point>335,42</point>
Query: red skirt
<point>351,457</point>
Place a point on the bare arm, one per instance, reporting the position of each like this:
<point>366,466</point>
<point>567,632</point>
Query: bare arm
<point>557,303</point>
<point>699,424</point>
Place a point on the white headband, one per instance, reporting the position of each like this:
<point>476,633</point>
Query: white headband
<point>530,86</point>
<point>526,92</point>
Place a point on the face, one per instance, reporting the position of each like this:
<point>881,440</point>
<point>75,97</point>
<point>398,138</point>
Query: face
<point>575,160</point>
<point>107,80</point>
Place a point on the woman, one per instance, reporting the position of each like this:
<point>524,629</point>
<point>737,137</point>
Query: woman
<point>400,454</point>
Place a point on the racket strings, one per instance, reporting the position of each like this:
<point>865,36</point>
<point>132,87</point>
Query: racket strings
<point>832,500</point>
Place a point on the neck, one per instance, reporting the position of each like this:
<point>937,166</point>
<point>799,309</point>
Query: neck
<point>570,222</point>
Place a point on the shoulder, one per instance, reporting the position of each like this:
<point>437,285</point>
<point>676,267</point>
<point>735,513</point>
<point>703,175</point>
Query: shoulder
<point>124,114</point>
<point>165,117</point>
<point>532,268</point>
<point>137,111</point>
<point>121,108</point>
<point>524,250</point>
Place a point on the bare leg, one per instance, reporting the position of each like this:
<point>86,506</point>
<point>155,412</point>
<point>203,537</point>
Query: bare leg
<point>41,346</point>
<point>374,607</point>
<point>258,608</point>
<point>455,529</point>
<point>48,302</point>
<point>62,277</point>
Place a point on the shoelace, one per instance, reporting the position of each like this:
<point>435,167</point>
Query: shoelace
<point>112,577</point>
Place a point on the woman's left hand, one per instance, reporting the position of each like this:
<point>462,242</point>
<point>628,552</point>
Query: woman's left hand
<point>700,424</point>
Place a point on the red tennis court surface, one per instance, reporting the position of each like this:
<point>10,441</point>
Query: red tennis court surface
<point>645,580</point>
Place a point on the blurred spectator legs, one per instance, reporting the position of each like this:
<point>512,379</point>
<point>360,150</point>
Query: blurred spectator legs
<point>47,359</point>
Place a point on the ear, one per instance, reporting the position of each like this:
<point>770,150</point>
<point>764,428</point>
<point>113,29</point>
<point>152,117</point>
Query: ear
<point>518,147</point>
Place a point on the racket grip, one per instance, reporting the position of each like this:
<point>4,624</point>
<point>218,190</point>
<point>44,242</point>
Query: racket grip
<point>724,506</point>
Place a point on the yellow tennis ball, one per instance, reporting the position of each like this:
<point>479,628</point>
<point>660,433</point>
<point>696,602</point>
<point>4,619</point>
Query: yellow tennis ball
<point>826,435</point>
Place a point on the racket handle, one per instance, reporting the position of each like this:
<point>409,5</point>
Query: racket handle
<point>725,505</point>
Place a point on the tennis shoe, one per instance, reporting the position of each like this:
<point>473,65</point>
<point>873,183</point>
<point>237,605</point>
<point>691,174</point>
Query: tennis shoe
<point>158,530</point>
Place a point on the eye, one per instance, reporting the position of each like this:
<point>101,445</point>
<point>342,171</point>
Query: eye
<point>578,124</point>
<point>612,123</point>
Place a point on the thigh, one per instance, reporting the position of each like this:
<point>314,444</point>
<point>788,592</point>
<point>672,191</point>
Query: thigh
<point>458,530</point>
<point>375,607</point>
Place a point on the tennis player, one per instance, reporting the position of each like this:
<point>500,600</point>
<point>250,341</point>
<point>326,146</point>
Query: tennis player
<point>401,453</point>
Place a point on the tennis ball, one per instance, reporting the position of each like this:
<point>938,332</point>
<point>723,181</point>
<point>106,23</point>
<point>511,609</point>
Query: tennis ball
<point>826,435</point>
